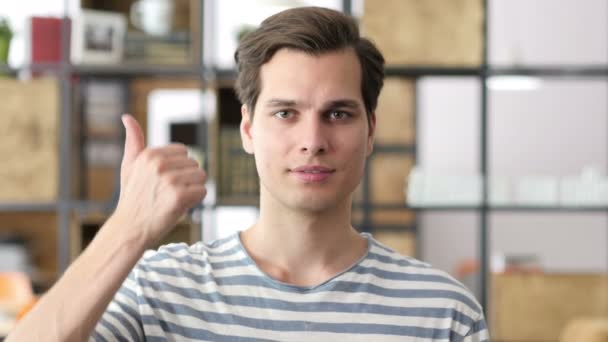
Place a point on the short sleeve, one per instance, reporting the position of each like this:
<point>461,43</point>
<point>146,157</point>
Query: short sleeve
<point>478,331</point>
<point>121,321</point>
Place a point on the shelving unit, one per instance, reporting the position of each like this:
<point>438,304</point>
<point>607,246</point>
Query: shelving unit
<point>209,76</point>
<point>68,205</point>
<point>481,73</point>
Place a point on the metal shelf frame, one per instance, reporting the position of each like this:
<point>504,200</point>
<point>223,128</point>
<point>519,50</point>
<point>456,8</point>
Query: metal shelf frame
<point>29,207</point>
<point>482,73</point>
<point>66,205</point>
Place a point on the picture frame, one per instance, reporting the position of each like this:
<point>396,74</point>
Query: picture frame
<point>167,107</point>
<point>98,37</point>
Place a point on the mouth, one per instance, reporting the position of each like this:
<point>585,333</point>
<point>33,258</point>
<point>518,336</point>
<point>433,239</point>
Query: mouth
<point>312,173</point>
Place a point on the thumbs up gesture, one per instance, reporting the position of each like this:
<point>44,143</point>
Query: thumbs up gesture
<point>157,185</point>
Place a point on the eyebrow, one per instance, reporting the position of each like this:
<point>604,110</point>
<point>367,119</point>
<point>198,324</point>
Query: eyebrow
<point>280,103</point>
<point>341,103</point>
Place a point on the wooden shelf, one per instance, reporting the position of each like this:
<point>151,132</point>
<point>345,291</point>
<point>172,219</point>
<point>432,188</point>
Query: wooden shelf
<point>84,227</point>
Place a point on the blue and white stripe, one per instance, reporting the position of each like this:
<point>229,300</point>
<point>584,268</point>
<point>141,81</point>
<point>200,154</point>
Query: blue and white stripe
<point>216,293</point>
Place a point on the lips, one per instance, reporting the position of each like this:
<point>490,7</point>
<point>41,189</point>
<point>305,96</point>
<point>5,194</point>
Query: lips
<point>312,173</point>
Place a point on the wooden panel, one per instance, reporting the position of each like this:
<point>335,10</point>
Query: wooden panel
<point>395,112</point>
<point>100,183</point>
<point>193,9</point>
<point>182,15</point>
<point>402,242</point>
<point>388,177</point>
<point>588,329</point>
<point>399,217</point>
<point>84,228</point>
<point>28,140</point>
<point>40,232</point>
<point>519,300</point>
<point>429,32</point>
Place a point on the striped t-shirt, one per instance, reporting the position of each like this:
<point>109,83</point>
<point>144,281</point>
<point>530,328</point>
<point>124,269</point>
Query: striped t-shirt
<point>216,292</point>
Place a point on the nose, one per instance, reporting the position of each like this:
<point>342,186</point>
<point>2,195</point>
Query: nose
<point>314,139</point>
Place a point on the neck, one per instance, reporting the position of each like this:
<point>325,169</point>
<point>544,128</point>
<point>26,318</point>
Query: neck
<point>303,248</point>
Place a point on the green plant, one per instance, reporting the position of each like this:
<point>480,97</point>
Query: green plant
<point>5,29</point>
<point>243,30</point>
<point>5,40</point>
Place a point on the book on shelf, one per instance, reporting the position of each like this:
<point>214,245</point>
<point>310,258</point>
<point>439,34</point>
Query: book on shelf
<point>237,172</point>
<point>146,49</point>
<point>46,39</point>
<point>103,153</point>
<point>103,104</point>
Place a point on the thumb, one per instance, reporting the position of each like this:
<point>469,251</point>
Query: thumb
<point>134,140</point>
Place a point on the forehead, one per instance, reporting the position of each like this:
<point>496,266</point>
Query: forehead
<point>298,75</point>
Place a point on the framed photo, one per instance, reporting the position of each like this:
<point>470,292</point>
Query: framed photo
<point>98,37</point>
<point>172,107</point>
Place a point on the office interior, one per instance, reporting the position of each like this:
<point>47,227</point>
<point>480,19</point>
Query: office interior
<point>490,159</point>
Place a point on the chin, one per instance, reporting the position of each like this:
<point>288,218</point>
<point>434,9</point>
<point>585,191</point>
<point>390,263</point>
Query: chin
<point>311,207</point>
<point>315,203</point>
<point>311,199</point>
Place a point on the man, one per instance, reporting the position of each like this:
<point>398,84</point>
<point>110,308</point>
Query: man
<point>309,86</point>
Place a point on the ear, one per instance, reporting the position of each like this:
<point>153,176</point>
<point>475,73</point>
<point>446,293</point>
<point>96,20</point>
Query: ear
<point>371,133</point>
<point>246,123</point>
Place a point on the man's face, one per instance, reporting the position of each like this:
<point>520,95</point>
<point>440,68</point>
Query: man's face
<point>310,134</point>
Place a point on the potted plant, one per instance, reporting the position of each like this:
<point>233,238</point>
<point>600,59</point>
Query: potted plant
<point>6,34</point>
<point>243,30</point>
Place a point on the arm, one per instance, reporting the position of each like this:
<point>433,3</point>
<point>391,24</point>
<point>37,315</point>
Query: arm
<point>478,331</point>
<point>70,310</point>
<point>157,187</point>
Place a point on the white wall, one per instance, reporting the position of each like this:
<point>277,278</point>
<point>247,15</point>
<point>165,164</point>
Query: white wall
<point>556,130</point>
<point>548,31</point>
<point>18,14</point>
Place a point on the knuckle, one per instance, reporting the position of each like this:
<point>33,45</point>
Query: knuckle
<point>175,198</point>
<point>182,200</point>
<point>145,155</point>
<point>149,156</point>
<point>157,166</point>
<point>179,147</point>
<point>171,181</point>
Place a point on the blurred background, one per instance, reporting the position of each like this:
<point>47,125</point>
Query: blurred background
<point>490,157</point>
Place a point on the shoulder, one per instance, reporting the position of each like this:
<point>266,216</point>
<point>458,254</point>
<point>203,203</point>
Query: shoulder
<point>430,286</point>
<point>176,258</point>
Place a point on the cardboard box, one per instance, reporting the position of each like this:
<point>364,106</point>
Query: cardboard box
<point>537,307</point>
<point>29,147</point>
<point>429,32</point>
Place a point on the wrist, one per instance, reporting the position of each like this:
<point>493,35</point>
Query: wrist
<point>124,231</point>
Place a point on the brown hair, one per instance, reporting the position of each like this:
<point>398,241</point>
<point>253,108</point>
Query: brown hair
<point>313,30</point>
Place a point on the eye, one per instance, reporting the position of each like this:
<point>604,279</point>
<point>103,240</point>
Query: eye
<point>338,115</point>
<point>283,114</point>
